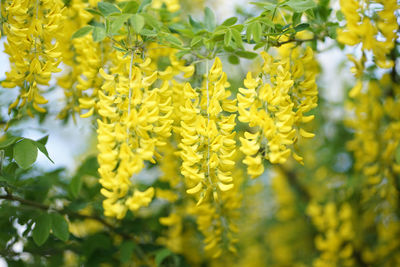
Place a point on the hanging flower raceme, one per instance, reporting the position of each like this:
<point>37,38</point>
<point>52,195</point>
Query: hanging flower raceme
<point>207,150</point>
<point>207,144</point>
<point>83,58</point>
<point>31,27</point>
<point>274,105</point>
<point>128,109</point>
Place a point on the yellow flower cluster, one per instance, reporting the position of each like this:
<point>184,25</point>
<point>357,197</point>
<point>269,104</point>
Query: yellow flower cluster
<point>361,28</point>
<point>83,59</point>
<point>207,144</point>
<point>207,149</point>
<point>128,109</point>
<point>336,234</point>
<point>274,104</point>
<point>31,28</point>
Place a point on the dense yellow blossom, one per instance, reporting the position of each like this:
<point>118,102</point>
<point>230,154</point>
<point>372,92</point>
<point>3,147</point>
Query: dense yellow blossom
<point>274,104</point>
<point>207,144</point>
<point>83,59</point>
<point>31,28</point>
<point>207,150</point>
<point>128,108</point>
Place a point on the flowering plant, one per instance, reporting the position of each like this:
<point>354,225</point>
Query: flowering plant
<point>216,143</point>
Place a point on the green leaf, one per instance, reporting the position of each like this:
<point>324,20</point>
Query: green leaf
<point>161,255</point>
<point>89,166</point>
<point>118,22</point>
<point>233,59</point>
<point>151,21</point>
<point>287,26</point>
<point>82,32</point>
<point>230,21</point>
<point>93,11</point>
<point>59,226</point>
<point>220,31</point>
<point>43,140</point>
<point>9,141</point>
<point>300,5</point>
<point>99,33</point>
<point>196,40</point>
<point>126,250</point>
<point>249,31</point>
<point>143,5</point>
<point>195,24</point>
<point>10,170</point>
<point>227,38</point>
<point>296,18</point>
<point>3,179</point>
<point>42,229</point>
<point>130,8</point>
<point>107,9</point>
<point>173,40</point>
<point>137,22</point>
<point>43,149</point>
<point>246,54</point>
<point>25,153</point>
<point>209,19</point>
<point>268,22</point>
<point>148,33</point>
<point>301,27</point>
<point>238,38</point>
<point>75,186</point>
<point>256,31</point>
